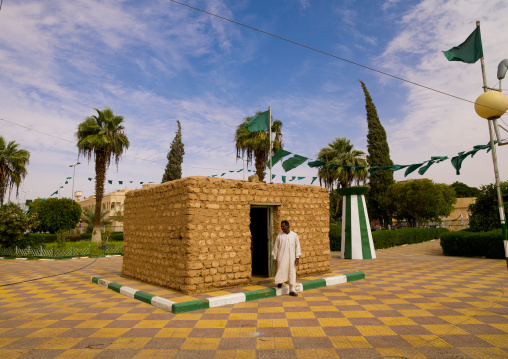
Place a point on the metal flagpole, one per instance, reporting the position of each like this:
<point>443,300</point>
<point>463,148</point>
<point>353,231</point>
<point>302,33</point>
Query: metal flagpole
<point>270,134</point>
<point>494,158</point>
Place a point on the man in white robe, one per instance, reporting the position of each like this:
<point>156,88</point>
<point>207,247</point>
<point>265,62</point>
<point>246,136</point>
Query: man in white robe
<point>286,253</point>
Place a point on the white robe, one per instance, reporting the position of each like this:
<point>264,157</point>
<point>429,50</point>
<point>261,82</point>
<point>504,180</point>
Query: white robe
<point>285,251</point>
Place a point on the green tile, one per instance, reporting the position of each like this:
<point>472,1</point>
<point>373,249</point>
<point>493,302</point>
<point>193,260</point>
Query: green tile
<point>354,276</point>
<point>144,297</point>
<point>260,294</point>
<point>190,306</point>
<point>312,284</point>
<point>115,286</point>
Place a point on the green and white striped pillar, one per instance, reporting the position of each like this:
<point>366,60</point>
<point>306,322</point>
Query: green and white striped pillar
<point>356,235</point>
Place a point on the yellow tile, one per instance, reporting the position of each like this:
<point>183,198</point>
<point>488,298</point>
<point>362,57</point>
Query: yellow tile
<point>187,316</point>
<point>265,343</point>
<point>357,314</point>
<point>366,330</point>
<point>316,332</point>
<point>383,330</point>
<point>358,342</point>
<point>225,354</point>
<point>191,343</point>
<point>442,329</point>
<point>94,324</point>
<point>316,299</point>
<point>300,315</point>
<point>110,332</point>
<point>6,341</point>
<point>294,304</point>
<point>498,340</point>
<point>377,307</point>
<point>283,343</point>
<point>397,321</point>
<point>209,343</point>
<point>362,297</point>
<point>211,324</point>
<point>60,343</point>
<point>80,316</point>
<point>414,340</point>
<point>503,327</point>
<point>343,303</point>
<point>246,354</point>
<point>394,301</point>
<point>415,313</point>
<point>457,319</point>
<point>14,353</point>
<point>182,332</point>
<point>231,333</point>
<point>29,316</point>
<point>334,322</point>
<point>80,353</point>
<point>133,316</point>
<point>118,310</point>
<point>38,324</point>
<point>298,331</point>
<point>129,343</point>
<point>324,308</point>
<point>48,332</point>
<point>326,353</point>
<point>306,353</point>
<point>267,323</point>
<point>243,316</point>
<point>271,310</point>
<point>389,352</point>
<point>151,324</point>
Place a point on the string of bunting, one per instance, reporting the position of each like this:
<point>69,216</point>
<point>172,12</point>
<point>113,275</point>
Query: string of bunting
<point>422,167</point>
<point>284,178</point>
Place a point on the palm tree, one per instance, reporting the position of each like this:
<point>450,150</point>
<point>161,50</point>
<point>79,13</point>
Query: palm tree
<point>88,218</point>
<point>101,136</point>
<point>257,144</point>
<point>13,162</point>
<point>340,151</point>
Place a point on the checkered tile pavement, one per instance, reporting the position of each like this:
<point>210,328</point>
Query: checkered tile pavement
<point>413,302</point>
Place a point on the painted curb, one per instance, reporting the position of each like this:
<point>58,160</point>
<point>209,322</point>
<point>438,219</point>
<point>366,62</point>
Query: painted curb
<point>214,302</point>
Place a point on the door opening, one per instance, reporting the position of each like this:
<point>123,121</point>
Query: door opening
<point>260,243</point>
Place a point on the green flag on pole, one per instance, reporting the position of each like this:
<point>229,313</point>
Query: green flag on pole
<point>277,156</point>
<point>293,162</point>
<point>259,122</point>
<point>469,51</point>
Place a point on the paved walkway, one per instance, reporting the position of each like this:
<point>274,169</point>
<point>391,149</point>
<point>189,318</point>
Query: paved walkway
<point>413,302</point>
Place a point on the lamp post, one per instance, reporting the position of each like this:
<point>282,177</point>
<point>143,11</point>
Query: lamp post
<point>491,105</point>
<point>73,174</point>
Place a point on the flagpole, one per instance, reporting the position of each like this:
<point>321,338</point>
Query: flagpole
<point>494,157</point>
<point>270,134</point>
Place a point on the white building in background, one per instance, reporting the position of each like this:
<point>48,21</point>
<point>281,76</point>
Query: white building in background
<point>112,202</point>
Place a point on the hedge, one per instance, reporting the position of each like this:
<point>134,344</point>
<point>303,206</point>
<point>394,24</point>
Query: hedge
<point>387,239</point>
<point>335,237</point>
<point>397,237</point>
<point>474,244</point>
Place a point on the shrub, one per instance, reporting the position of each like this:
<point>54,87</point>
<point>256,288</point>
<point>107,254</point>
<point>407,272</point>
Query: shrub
<point>117,236</point>
<point>387,239</point>
<point>335,237</point>
<point>13,224</point>
<point>474,244</point>
<point>485,210</point>
<point>38,239</point>
<point>86,236</point>
<point>73,237</point>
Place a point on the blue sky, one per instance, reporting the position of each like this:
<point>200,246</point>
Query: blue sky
<point>155,62</point>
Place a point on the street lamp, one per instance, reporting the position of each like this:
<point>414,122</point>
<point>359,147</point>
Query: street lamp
<point>73,174</point>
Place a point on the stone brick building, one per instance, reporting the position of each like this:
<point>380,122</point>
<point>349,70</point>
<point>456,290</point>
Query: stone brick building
<point>198,234</point>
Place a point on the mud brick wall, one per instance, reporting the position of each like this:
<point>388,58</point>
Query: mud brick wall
<point>193,234</point>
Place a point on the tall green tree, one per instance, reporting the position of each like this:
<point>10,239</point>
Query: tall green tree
<point>58,214</point>
<point>88,218</point>
<point>485,211</point>
<point>103,138</point>
<point>341,152</point>
<point>13,163</point>
<point>378,155</point>
<point>420,200</point>
<point>256,145</point>
<point>175,157</point>
<point>463,190</point>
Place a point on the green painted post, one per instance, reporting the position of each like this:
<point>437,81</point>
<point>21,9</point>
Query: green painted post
<point>53,252</point>
<point>89,250</point>
<point>72,251</point>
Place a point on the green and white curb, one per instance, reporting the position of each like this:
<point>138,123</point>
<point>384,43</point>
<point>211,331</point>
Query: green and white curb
<point>214,302</point>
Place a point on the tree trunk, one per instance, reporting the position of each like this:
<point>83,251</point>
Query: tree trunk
<point>100,178</point>
<point>260,163</point>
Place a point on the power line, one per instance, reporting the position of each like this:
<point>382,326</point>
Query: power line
<point>322,52</point>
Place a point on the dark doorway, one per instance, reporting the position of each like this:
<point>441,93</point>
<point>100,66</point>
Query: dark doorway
<point>259,228</point>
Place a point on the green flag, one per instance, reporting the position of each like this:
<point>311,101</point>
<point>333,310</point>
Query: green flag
<point>259,122</point>
<point>469,51</point>
<point>277,156</point>
<point>293,162</point>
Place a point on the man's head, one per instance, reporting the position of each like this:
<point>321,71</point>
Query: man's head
<point>284,225</point>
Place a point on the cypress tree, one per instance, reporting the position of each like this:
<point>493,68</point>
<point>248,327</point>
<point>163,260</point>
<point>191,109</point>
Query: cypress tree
<point>175,158</point>
<point>378,155</point>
